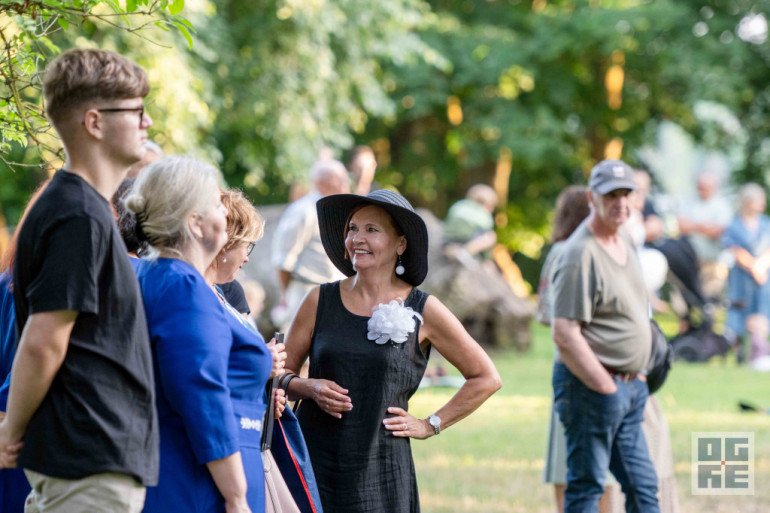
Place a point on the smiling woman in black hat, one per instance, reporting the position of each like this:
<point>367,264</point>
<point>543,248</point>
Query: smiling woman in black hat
<point>368,338</point>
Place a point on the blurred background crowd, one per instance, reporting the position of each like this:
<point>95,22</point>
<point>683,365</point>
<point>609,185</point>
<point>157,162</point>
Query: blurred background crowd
<point>433,97</point>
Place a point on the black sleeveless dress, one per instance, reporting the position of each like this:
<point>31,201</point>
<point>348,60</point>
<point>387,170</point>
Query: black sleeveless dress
<point>360,467</point>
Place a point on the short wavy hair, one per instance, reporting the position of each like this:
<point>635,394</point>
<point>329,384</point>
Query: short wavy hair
<point>244,223</point>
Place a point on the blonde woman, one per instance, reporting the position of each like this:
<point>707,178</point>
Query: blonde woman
<point>209,376</point>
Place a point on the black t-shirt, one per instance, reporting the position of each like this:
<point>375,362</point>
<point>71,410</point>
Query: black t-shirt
<point>235,295</point>
<point>99,414</point>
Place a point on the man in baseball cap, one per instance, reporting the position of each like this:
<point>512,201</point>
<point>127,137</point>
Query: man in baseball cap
<point>611,175</point>
<point>602,332</point>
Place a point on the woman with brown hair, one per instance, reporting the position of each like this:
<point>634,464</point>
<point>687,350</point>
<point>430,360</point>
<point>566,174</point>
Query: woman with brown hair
<point>245,226</point>
<point>572,208</point>
<point>368,338</point>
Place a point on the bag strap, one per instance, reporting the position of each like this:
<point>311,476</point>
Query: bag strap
<point>267,426</point>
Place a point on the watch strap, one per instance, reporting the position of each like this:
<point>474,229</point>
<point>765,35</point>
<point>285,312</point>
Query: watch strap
<point>436,427</point>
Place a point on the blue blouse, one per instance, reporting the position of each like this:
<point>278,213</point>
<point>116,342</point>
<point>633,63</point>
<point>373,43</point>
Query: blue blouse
<point>210,375</point>
<point>746,296</point>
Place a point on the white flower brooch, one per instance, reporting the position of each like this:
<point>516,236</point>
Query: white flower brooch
<point>393,321</point>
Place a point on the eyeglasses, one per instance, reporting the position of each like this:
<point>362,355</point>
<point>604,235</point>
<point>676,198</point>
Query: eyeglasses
<point>250,248</point>
<point>139,109</point>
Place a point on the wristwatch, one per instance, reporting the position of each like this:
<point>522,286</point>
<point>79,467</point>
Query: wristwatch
<point>434,421</point>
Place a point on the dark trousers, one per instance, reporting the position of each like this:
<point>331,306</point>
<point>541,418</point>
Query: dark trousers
<point>604,431</point>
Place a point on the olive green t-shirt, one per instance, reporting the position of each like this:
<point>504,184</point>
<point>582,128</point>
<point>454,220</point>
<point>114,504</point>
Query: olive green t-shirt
<point>609,301</point>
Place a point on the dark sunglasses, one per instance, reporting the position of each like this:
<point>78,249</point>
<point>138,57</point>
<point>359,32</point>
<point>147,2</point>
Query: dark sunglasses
<point>250,248</point>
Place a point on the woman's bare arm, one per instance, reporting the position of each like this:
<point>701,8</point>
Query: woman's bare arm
<point>450,338</point>
<point>300,332</point>
<point>329,396</point>
<point>230,479</point>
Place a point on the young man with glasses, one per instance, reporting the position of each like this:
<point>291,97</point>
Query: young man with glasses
<point>81,416</point>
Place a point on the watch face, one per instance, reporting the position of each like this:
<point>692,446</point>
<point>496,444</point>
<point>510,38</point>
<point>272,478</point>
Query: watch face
<point>434,421</point>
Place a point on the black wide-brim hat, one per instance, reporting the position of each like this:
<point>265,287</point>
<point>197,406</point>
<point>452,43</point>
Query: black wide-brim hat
<point>334,211</point>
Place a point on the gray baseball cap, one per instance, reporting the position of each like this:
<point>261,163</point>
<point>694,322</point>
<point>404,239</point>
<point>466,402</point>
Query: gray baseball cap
<point>611,175</point>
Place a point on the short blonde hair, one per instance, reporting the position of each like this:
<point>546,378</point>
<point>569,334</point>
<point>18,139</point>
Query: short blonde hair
<point>163,197</point>
<point>82,75</point>
<point>244,223</point>
<point>750,192</point>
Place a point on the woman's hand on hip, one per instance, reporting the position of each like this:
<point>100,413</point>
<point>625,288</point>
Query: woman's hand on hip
<point>330,397</point>
<point>405,425</point>
<point>279,358</point>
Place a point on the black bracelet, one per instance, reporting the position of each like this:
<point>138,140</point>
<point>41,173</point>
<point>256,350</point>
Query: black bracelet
<point>284,380</point>
<point>288,380</point>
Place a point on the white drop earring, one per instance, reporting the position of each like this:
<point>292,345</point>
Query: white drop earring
<point>224,259</point>
<point>400,267</point>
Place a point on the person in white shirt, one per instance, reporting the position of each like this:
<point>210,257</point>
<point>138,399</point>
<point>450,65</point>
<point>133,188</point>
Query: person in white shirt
<point>703,220</point>
<point>297,252</point>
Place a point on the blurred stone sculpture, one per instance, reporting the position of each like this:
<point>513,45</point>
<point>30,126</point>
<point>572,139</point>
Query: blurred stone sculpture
<point>477,294</point>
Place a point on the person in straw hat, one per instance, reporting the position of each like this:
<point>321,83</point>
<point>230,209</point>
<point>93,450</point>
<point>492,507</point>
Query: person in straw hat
<point>368,338</point>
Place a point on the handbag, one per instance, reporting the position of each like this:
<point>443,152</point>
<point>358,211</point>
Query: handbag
<point>290,485</point>
<point>278,498</point>
<point>661,358</point>
<point>291,456</point>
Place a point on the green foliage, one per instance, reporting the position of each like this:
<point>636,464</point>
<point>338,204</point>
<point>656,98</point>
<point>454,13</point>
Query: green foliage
<point>292,77</point>
<point>28,31</point>
<point>266,84</point>
<point>533,82</point>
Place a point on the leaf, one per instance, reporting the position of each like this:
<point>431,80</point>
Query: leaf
<point>63,23</point>
<point>50,45</point>
<point>185,32</point>
<point>175,7</point>
<point>186,23</point>
<point>130,5</point>
<point>114,6</point>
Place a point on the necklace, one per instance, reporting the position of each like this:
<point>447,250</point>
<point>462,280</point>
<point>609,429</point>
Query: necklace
<point>232,310</point>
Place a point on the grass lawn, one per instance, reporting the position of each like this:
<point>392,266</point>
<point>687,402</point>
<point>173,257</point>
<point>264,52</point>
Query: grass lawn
<point>492,461</point>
